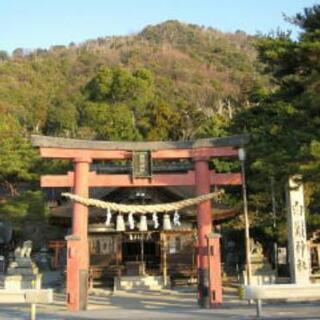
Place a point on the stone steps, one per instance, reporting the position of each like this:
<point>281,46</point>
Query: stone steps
<point>140,288</point>
<point>139,283</point>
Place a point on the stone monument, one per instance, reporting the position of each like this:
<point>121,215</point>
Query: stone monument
<point>297,236</point>
<point>22,273</point>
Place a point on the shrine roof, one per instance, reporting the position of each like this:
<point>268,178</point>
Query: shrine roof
<point>66,143</point>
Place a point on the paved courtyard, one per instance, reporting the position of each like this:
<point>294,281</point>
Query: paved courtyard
<point>166,305</point>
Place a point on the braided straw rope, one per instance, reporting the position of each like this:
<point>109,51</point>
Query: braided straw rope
<point>142,209</point>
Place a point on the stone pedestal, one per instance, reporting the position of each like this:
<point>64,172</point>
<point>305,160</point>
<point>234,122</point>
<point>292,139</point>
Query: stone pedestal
<point>17,282</point>
<point>262,273</point>
<point>135,268</point>
<point>261,270</point>
<point>22,273</point>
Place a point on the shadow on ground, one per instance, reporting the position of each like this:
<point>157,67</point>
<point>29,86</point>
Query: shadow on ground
<point>165,305</point>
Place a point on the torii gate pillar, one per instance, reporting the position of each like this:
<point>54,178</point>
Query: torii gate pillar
<point>209,283</point>
<point>78,250</point>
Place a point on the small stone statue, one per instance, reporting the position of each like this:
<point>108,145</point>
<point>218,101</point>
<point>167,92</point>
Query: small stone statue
<point>261,270</point>
<point>25,251</point>
<point>17,252</point>
<point>22,273</point>
<point>256,248</point>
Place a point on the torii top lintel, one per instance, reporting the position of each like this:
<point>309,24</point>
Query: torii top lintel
<point>63,148</point>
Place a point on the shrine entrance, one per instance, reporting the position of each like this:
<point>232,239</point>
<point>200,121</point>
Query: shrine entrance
<point>143,157</point>
<point>141,253</point>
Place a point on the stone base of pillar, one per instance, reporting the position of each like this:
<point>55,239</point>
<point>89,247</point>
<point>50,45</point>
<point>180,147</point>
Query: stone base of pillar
<point>77,274</point>
<point>214,263</point>
<point>203,288</point>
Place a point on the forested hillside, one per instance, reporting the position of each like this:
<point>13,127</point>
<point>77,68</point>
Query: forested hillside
<point>174,71</point>
<point>172,81</point>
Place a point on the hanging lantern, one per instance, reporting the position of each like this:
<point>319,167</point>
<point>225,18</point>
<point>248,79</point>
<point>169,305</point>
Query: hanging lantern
<point>155,220</point>
<point>120,223</point>
<point>143,226</point>
<point>166,222</point>
<point>131,221</point>
<point>176,219</point>
<point>108,217</point>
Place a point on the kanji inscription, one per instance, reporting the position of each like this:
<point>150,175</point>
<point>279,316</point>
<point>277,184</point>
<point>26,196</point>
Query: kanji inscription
<point>298,253</point>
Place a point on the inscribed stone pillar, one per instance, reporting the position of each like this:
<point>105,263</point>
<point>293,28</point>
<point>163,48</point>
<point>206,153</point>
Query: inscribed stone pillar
<point>297,235</point>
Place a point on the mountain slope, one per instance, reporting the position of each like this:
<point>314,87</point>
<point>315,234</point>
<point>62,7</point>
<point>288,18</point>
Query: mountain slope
<point>195,71</point>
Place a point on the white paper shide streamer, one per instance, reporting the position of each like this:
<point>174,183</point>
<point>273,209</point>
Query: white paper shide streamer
<point>131,221</point>
<point>176,219</point>
<point>155,220</point>
<point>108,217</point>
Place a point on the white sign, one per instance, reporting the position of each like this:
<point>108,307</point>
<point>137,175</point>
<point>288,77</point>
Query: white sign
<point>298,250</point>
<point>282,255</point>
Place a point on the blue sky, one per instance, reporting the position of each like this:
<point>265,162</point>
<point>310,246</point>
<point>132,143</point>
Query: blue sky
<point>42,23</point>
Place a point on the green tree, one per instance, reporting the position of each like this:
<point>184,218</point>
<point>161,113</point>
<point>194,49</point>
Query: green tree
<point>296,72</point>
<point>161,121</point>
<point>62,119</point>
<point>110,122</point>
<point>17,158</point>
<point>28,206</point>
<point>119,87</point>
<point>4,55</point>
<point>99,87</point>
<point>284,124</point>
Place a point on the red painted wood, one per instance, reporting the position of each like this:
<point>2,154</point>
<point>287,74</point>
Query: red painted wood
<point>193,153</point>
<point>81,188</point>
<point>202,182</point>
<point>73,276</point>
<point>158,180</point>
<point>225,179</point>
<point>60,153</point>
<point>215,281</point>
<point>210,285</point>
<point>78,254</point>
<point>60,180</point>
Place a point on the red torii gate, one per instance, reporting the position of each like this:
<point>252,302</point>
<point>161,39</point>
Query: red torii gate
<point>83,152</point>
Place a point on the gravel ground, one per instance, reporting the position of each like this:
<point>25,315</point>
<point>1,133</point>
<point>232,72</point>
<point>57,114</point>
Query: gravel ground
<point>165,305</point>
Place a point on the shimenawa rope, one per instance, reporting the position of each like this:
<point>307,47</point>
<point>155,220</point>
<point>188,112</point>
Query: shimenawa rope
<point>142,209</point>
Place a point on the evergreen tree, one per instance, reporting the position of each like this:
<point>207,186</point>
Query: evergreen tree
<point>284,125</point>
